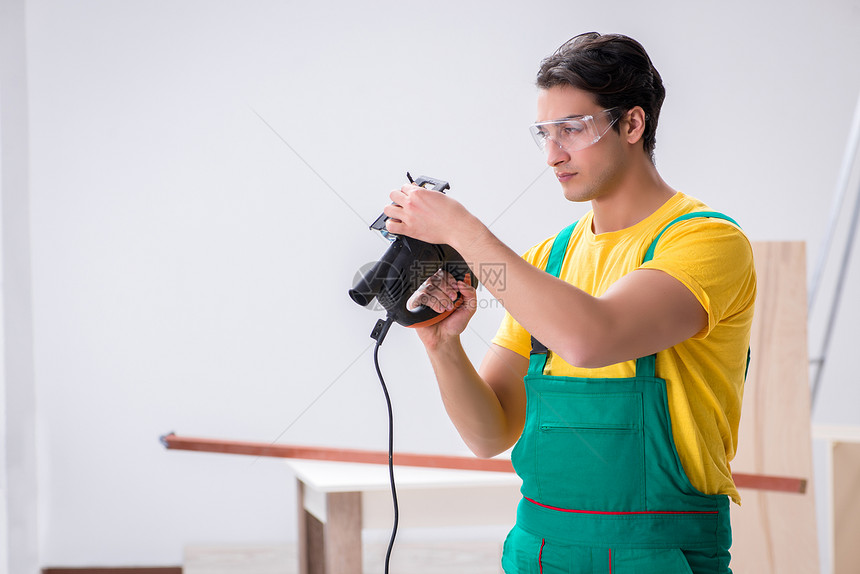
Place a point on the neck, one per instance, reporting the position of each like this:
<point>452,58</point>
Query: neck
<point>638,195</point>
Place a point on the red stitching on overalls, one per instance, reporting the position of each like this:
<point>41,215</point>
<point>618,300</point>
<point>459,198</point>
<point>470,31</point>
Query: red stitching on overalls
<point>540,554</point>
<point>610,561</point>
<point>622,513</point>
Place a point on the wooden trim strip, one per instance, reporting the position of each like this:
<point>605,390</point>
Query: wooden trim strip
<point>171,441</point>
<point>767,482</point>
<point>130,570</point>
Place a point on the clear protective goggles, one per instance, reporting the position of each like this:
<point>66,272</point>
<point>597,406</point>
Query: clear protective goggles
<point>574,133</point>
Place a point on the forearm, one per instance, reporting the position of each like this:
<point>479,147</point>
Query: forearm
<point>569,321</point>
<point>471,403</point>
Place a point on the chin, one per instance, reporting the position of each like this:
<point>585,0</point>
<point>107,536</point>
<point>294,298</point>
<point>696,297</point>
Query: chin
<point>577,194</point>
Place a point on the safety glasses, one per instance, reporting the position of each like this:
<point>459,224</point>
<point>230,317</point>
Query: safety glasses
<point>574,133</point>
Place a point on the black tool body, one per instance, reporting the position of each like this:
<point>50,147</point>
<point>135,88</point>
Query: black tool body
<point>404,267</point>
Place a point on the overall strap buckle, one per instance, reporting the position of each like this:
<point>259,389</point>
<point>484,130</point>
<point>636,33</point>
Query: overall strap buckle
<point>538,348</point>
<point>537,358</point>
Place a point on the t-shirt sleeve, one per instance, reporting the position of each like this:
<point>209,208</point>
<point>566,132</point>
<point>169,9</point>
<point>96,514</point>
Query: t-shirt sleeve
<point>714,260</point>
<point>511,335</point>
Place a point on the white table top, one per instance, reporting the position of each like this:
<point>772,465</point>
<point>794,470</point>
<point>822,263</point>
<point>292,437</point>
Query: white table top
<point>326,476</point>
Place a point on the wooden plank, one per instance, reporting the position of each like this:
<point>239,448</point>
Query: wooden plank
<point>771,483</point>
<point>171,441</point>
<point>775,533</point>
<point>846,507</point>
<point>128,570</point>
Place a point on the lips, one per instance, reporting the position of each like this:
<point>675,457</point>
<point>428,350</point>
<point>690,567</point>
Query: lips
<point>564,176</point>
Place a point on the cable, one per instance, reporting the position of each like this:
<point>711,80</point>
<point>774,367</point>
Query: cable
<point>378,333</point>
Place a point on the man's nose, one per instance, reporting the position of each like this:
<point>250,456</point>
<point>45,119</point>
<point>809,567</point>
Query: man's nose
<point>555,154</point>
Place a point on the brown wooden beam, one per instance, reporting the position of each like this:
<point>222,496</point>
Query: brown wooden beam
<point>767,482</point>
<point>171,441</point>
<point>129,570</point>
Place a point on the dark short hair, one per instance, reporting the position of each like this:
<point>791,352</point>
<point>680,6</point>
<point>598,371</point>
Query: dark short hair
<point>613,67</point>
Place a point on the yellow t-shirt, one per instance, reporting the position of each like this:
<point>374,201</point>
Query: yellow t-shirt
<point>705,374</point>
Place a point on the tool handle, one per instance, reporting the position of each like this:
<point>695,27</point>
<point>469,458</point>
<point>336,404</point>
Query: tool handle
<point>422,181</point>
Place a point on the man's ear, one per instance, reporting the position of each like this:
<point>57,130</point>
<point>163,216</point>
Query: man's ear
<point>633,125</point>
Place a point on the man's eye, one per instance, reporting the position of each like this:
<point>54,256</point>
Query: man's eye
<point>571,129</point>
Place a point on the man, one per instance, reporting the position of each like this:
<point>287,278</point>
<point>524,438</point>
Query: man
<point>618,370</point>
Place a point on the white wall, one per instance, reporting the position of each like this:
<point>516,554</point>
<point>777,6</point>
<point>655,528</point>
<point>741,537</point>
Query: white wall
<point>19,535</point>
<point>190,268</point>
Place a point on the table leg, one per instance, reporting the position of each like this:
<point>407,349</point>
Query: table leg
<point>342,543</point>
<point>303,516</point>
<point>333,546</point>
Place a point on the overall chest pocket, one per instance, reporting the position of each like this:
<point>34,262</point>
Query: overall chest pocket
<point>590,451</point>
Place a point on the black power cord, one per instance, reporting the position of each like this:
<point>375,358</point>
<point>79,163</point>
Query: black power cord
<point>378,333</point>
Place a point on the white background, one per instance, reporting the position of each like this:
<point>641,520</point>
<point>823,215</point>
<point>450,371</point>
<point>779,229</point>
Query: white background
<point>201,177</point>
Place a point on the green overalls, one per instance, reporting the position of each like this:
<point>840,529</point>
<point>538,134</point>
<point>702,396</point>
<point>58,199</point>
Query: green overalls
<point>603,487</point>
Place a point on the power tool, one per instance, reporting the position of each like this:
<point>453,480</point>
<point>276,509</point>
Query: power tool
<point>405,266</point>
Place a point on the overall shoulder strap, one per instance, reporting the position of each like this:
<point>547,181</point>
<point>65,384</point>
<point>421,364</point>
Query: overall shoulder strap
<point>646,366</point>
<point>649,255</point>
<point>559,248</point>
<point>539,352</point>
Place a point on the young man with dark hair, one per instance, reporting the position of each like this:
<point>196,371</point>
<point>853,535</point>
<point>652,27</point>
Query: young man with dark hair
<point>618,369</point>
